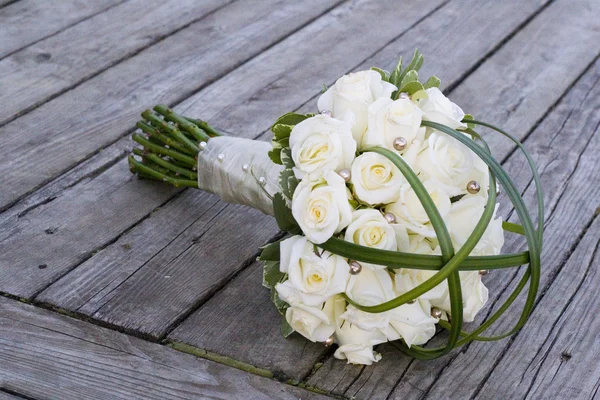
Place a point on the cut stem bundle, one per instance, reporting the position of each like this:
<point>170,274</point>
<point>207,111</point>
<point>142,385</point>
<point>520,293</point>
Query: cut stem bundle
<point>170,146</point>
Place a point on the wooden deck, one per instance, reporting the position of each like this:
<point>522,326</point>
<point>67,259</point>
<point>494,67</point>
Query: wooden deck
<point>119,288</point>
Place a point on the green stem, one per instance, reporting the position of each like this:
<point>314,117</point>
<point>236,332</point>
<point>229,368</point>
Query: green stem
<point>173,131</point>
<point>183,123</point>
<point>189,161</point>
<point>155,136</point>
<point>137,166</point>
<point>165,164</point>
<point>212,132</point>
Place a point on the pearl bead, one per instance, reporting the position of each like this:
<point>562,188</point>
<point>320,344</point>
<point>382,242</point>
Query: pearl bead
<point>484,272</point>
<point>399,143</point>
<point>436,313</point>
<point>327,113</point>
<point>329,341</point>
<point>221,157</point>
<point>345,174</point>
<point>246,167</point>
<point>391,218</point>
<point>355,268</point>
<point>202,145</point>
<point>473,187</point>
<point>262,181</point>
<point>403,95</point>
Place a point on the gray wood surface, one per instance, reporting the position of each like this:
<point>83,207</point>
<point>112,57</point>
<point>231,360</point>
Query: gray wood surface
<point>68,129</point>
<point>45,355</point>
<point>72,57</point>
<point>8,396</point>
<point>462,376</point>
<point>27,21</point>
<point>240,322</point>
<point>78,233</point>
<point>195,332</point>
<point>75,138</point>
<point>117,306</point>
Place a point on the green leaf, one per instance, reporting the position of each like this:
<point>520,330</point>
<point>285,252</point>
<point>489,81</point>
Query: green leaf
<point>271,274</point>
<point>286,329</point>
<point>280,304</point>
<point>283,215</point>
<point>286,158</point>
<point>288,182</point>
<point>433,81</point>
<point>275,155</point>
<point>385,75</point>
<point>270,252</point>
<point>290,119</point>
<point>323,88</point>
<point>408,68</point>
<point>466,119</point>
<point>412,87</point>
<point>281,134</point>
<point>410,76</point>
<point>395,75</point>
<point>419,97</point>
<point>419,63</point>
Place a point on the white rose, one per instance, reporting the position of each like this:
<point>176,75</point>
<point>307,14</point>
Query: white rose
<point>313,277</point>
<point>411,322</point>
<point>463,217</point>
<point>438,108</point>
<point>353,93</point>
<point>390,119</point>
<point>474,295</point>
<point>316,324</point>
<point>355,344</point>
<point>375,179</point>
<point>474,292</point>
<point>452,164</point>
<point>321,143</point>
<point>410,212</point>
<point>320,206</point>
<point>369,228</point>
<point>369,288</point>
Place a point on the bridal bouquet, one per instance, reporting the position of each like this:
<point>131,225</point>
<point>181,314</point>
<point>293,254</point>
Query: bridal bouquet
<point>388,198</point>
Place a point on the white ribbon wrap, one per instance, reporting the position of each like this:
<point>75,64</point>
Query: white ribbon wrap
<point>220,171</point>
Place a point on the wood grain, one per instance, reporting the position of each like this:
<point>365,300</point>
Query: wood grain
<point>27,21</point>
<point>543,360</point>
<point>565,220</point>
<point>118,307</point>
<point>241,322</point>
<point>54,65</point>
<point>423,375</point>
<point>68,129</point>
<point>8,396</point>
<point>45,355</point>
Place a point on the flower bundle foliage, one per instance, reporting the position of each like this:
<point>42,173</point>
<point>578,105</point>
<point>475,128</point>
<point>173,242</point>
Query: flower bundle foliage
<point>389,198</point>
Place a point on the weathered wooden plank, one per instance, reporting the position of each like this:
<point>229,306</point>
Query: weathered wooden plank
<point>46,355</point>
<point>52,66</point>
<point>423,375</point>
<point>241,322</point>
<point>131,201</point>
<point>562,342</point>
<point>70,128</point>
<point>27,21</point>
<point>59,292</point>
<point>8,396</point>
<point>348,17</point>
<point>569,214</point>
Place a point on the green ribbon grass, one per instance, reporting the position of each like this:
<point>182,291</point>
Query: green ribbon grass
<point>449,263</point>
